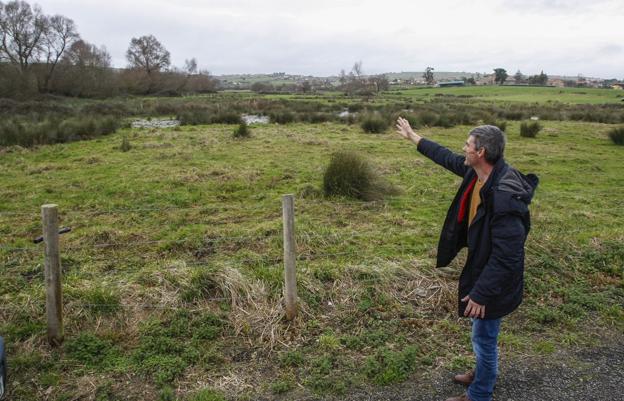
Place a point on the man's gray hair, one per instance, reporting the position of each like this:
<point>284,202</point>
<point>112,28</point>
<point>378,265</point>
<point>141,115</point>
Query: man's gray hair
<point>492,139</point>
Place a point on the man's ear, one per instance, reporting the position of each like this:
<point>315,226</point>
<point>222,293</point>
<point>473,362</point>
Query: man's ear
<point>481,152</point>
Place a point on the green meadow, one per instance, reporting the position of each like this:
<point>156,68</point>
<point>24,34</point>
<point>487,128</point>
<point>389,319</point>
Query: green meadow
<point>173,272</point>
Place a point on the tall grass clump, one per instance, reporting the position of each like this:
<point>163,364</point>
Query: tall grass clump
<point>374,124</point>
<point>617,136</point>
<point>242,131</point>
<point>349,174</point>
<point>530,130</point>
<point>125,144</point>
<point>28,133</point>
<point>226,117</point>
<point>282,117</point>
<point>194,117</point>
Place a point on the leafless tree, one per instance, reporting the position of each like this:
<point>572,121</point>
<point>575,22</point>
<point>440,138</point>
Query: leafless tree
<point>148,54</point>
<point>22,30</point>
<point>84,54</point>
<point>357,69</point>
<point>60,34</point>
<point>190,66</point>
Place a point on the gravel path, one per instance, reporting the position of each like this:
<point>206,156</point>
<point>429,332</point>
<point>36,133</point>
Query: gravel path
<point>587,375</point>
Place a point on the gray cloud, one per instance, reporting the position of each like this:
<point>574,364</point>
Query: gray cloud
<point>323,37</point>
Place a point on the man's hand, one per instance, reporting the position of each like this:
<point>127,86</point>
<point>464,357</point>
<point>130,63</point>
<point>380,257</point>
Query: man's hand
<point>473,309</point>
<point>403,128</point>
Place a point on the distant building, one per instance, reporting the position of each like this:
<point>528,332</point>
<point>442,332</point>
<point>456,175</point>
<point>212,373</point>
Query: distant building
<point>618,86</point>
<point>489,79</point>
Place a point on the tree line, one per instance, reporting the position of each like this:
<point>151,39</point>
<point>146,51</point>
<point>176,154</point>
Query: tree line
<point>44,54</point>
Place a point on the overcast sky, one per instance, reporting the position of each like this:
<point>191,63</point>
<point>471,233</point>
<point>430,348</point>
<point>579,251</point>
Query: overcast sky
<point>321,37</point>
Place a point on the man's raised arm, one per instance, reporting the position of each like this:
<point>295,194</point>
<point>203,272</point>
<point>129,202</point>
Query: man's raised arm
<point>439,154</point>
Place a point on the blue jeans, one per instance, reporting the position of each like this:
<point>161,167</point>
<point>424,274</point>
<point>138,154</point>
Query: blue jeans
<point>484,345</point>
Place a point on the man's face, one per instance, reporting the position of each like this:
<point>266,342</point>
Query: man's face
<point>471,153</point>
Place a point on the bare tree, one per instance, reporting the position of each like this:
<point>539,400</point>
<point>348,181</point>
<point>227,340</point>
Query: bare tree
<point>22,30</point>
<point>342,77</point>
<point>190,66</point>
<point>357,69</point>
<point>60,34</point>
<point>148,54</point>
<point>84,54</point>
<point>379,83</point>
<point>84,70</point>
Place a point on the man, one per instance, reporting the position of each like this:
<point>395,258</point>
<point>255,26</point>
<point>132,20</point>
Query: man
<point>490,216</point>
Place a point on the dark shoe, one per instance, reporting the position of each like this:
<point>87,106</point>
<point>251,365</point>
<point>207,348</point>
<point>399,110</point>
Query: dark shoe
<point>463,397</point>
<point>465,378</point>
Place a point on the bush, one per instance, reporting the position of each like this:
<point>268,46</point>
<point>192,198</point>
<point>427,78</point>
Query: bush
<point>412,119</point>
<point>617,135</point>
<point>194,117</point>
<point>242,131</point>
<point>502,125</point>
<point>283,117</point>
<point>374,124</point>
<point>428,118</point>
<point>226,118</point>
<point>348,174</point>
<point>26,133</point>
<point>125,144</point>
<point>530,130</point>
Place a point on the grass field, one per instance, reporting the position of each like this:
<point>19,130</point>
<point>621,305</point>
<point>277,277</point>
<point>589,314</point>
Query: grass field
<point>524,94</point>
<point>173,274</point>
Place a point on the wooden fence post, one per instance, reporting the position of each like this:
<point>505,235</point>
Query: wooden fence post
<point>290,287</point>
<point>54,296</point>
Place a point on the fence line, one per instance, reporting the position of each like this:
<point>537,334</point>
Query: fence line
<point>54,304</point>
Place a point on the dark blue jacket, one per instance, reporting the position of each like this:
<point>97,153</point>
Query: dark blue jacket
<point>494,271</point>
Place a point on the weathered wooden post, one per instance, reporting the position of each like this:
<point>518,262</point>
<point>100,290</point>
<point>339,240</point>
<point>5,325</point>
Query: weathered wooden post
<point>290,287</point>
<point>54,297</point>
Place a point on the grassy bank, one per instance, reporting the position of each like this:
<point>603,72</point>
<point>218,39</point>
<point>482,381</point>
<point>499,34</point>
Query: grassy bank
<point>173,274</point>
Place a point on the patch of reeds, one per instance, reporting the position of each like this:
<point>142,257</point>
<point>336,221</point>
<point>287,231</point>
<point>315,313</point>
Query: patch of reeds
<point>26,133</point>
<point>374,124</point>
<point>617,136</point>
<point>349,174</point>
<point>242,131</point>
<point>530,129</point>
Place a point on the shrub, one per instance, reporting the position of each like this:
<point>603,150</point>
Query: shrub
<point>374,124</point>
<point>412,119</point>
<point>617,135</point>
<point>348,174</point>
<point>530,130</point>
<point>194,117</point>
<point>316,118</point>
<point>282,117</point>
<point>428,118</point>
<point>502,125</point>
<point>226,118</point>
<point>242,131</point>
<point>445,121</point>
<point>54,130</point>
<point>125,144</point>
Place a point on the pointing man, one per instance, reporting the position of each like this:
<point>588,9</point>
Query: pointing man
<point>490,216</point>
